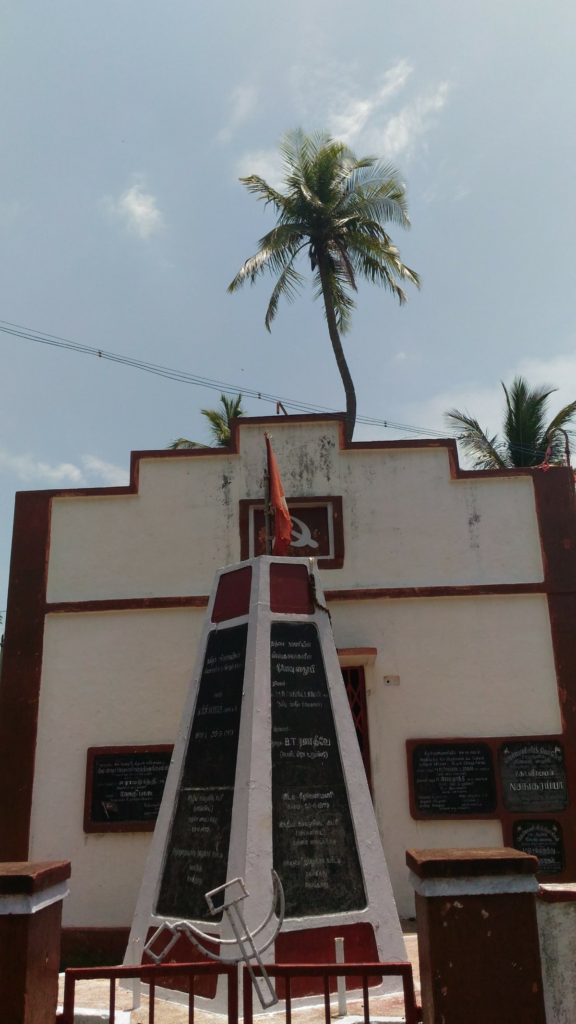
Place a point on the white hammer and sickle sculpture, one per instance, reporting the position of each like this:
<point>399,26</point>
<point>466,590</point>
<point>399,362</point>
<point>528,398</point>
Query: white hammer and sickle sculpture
<point>227,898</point>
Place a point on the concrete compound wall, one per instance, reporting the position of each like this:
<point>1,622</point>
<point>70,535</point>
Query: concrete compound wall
<point>443,574</point>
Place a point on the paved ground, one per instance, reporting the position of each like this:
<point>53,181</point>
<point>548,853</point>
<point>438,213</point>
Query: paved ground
<point>93,995</point>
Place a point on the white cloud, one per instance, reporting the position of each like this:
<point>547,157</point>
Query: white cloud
<point>267,163</point>
<point>30,470</point>
<point>138,210</point>
<point>349,123</point>
<point>242,103</point>
<point>402,130</point>
<point>365,120</point>
<point>104,472</point>
<point>368,122</point>
<point>93,470</point>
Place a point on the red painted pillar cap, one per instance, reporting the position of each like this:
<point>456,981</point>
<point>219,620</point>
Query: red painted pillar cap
<point>25,877</point>
<point>455,863</point>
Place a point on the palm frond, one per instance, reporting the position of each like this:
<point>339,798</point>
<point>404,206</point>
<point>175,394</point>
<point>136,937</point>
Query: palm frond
<point>484,450</point>
<point>286,286</point>
<point>380,264</point>
<point>562,420</point>
<point>525,421</point>
<point>220,419</point>
<point>262,190</point>
<point>184,442</point>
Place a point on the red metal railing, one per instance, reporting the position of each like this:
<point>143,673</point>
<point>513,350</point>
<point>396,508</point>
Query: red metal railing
<point>151,975</point>
<point>289,972</point>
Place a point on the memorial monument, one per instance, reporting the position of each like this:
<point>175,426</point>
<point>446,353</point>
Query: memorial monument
<point>267,775</point>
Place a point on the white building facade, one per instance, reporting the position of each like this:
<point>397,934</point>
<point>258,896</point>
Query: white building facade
<point>453,603</point>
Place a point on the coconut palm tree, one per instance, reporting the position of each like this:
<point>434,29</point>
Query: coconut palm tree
<point>333,208</point>
<point>527,439</point>
<point>220,420</point>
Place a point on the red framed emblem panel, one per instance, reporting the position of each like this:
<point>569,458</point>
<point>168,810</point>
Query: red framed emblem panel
<point>317,529</point>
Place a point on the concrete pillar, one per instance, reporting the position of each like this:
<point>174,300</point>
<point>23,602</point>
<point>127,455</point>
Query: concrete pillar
<point>556,907</point>
<point>477,936</point>
<point>31,897</point>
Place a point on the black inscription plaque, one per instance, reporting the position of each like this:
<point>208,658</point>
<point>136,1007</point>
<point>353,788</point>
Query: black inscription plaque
<point>453,779</point>
<point>533,776</point>
<point>315,851</point>
<point>197,849</point>
<point>125,788</point>
<point>544,840</point>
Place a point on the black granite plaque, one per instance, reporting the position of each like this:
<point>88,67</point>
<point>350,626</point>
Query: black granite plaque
<point>196,857</point>
<point>453,779</point>
<point>533,776</point>
<point>125,787</point>
<point>315,851</point>
<point>544,840</point>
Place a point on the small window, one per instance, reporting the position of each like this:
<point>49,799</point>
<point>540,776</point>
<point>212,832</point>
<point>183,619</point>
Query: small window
<point>355,684</point>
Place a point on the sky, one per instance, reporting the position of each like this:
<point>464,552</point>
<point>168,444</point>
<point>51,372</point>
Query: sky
<point>125,126</point>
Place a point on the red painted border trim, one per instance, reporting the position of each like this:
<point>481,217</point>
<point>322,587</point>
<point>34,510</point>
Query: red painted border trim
<point>22,662</point>
<point>126,604</point>
<point>481,589</point>
<point>358,594</point>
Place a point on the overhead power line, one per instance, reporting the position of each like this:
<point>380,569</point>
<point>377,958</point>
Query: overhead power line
<point>185,377</point>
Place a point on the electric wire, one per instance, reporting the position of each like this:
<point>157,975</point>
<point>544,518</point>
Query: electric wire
<point>185,377</point>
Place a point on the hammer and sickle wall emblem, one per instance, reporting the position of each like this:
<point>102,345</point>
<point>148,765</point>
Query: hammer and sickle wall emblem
<point>301,536</point>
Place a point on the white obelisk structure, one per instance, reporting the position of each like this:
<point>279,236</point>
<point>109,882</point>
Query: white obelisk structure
<point>267,774</point>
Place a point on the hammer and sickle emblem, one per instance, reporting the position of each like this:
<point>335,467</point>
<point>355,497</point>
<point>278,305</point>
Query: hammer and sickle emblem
<point>301,536</point>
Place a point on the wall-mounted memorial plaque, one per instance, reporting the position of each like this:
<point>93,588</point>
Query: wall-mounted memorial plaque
<point>315,851</point>
<point>543,839</point>
<point>124,787</point>
<point>533,776</point>
<point>196,857</point>
<point>453,779</point>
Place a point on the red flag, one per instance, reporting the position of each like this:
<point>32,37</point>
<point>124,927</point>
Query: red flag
<point>282,521</point>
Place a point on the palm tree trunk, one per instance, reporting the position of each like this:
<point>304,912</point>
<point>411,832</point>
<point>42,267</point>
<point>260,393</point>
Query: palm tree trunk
<point>338,353</point>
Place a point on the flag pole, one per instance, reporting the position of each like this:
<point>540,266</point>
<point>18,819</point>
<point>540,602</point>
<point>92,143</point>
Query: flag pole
<point>267,514</point>
<point>267,509</point>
